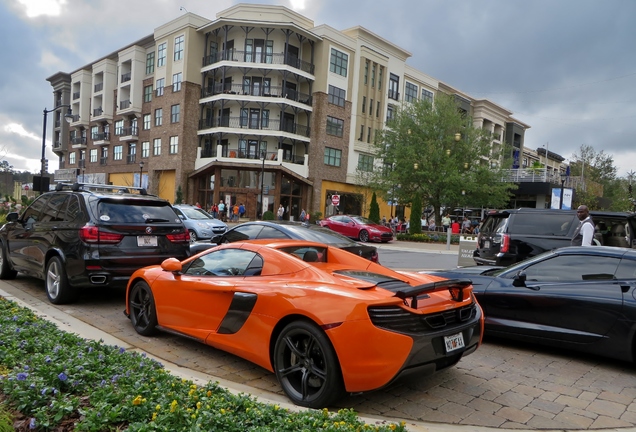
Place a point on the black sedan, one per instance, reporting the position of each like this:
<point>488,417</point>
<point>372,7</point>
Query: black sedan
<point>579,298</point>
<point>290,230</point>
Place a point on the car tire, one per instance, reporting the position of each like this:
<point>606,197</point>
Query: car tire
<point>58,290</point>
<point>6,272</point>
<point>193,236</point>
<point>143,313</point>
<point>306,366</point>
<point>363,236</point>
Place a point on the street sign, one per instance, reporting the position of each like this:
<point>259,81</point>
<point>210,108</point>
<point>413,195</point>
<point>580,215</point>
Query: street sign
<point>335,199</point>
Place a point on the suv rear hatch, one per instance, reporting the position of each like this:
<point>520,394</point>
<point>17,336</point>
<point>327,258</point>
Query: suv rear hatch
<point>492,237</point>
<point>134,233</point>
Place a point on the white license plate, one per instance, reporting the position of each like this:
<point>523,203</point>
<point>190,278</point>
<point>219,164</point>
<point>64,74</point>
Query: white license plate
<point>486,244</point>
<point>454,342</point>
<point>143,241</point>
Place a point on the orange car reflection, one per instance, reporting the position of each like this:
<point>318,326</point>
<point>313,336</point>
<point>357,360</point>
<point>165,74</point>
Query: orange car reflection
<point>325,321</point>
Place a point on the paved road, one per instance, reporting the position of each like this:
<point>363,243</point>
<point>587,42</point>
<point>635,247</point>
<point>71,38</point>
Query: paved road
<point>503,385</point>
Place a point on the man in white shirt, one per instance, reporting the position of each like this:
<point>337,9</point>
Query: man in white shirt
<point>585,231</point>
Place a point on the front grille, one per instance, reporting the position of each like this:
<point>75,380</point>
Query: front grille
<point>400,320</point>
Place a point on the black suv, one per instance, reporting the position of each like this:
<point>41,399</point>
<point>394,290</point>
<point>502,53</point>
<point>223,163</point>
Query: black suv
<point>510,236</point>
<point>89,236</point>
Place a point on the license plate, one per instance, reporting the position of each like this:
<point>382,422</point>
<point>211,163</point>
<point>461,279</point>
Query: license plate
<point>486,244</point>
<point>454,342</point>
<point>146,241</point>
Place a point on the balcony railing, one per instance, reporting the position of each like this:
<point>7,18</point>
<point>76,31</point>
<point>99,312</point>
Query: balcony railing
<point>57,145</point>
<point>98,111</point>
<point>78,140</point>
<point>263,58</point>
<point>125,77</point>
<point>75,118</point>
<point>270,91</point>
<point>132,158</point>
<point>102,136</point>
<point>128,131</point>
<point>81,163</point>
<point>62,165</point>
<point>103,161</point>
<point>58,123</point>
<point>98,87</point>
<point>124,104</point>
<point>76,95</point>
<point>260,124</point>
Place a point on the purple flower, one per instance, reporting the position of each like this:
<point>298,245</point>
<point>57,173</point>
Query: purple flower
<point>100,357</point>
<point>47,359</point>
<point>62,376</point>
<point>17,330</point>
<point>115,378</point>
<point>22,376</point>
<point>43,392</point>
<point>32,386</point>
<point>143,355</point>
<point>26,367</point>
<point>122,350</point>
<point>90,350</point>
<point>55,391</point>
<point>103,383</point>
<point>15,317</point>
<point>56,349</point>
<point>32,423</point>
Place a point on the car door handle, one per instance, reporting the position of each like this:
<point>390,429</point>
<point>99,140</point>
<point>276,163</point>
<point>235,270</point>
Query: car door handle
<point>534,288</point>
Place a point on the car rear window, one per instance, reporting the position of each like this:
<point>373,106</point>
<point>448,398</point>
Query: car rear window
<point>136,212</point>
<point>541,223</point>
<point>494,224</point>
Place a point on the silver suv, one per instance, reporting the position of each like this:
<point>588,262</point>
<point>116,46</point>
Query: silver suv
<point>200,224</point>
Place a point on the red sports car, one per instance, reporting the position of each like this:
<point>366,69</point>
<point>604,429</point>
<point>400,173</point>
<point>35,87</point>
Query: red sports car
<point>324,320</point>
<point>358,227</point>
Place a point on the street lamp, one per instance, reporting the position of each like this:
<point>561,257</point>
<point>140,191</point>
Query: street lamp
<point>263,157</point>
<point>141,170</point>
<point>564,176</point>
<point>69,118</point>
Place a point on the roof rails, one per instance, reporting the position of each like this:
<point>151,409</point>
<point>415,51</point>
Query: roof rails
<point>99,188</point>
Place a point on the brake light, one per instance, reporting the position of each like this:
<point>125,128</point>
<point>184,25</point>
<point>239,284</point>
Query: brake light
<point>505,243</point>
<point>92,234</point>
<point>183,237</point>
<point>375,257</point>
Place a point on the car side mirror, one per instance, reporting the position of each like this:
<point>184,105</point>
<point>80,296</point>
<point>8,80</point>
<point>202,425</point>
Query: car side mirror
<point>13,216</point>
<point>520,279</point>
<point>171,265</point>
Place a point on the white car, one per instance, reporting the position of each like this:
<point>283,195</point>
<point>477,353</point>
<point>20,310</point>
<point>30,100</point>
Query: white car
<point>200,224</point>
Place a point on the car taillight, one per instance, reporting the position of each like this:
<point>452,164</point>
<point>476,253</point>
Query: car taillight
<point>505,243</point>
<point>92,234</point>
<point>375,258</point>
<point>183,237</point>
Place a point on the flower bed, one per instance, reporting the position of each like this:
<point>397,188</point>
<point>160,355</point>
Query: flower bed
<point>429,238</point>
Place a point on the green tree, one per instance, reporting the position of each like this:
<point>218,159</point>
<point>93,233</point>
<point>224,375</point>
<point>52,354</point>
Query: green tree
<point>415,221</point>
<point>433,151</point>
<point>590,165</point>
<point>374,209</point>
<point>179,198</point>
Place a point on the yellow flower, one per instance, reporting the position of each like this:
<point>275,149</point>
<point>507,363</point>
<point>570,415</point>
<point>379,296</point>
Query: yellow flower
<point>154,416</point>
<point>209,393</point>
<point>392,426</point>
<point>158,407</point>
<point>403,423</point>
<point>173,406</point>
<point>222,411</point>
<point>193,416</point>
<point>137,400</point>
<point>198,405</point>
<point>193,386</point>
<point>276,407</point>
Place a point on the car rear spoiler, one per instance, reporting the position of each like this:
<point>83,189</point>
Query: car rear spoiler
<point>454,286</point>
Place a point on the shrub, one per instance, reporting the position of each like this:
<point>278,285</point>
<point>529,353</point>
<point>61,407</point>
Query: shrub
<point>374,209</point>
<point>316,216</point>
<point>268,215</point>
<point>428,238</point>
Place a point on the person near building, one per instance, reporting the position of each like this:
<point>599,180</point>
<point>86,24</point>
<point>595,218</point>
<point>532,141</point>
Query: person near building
<point>584,233</point>
<point>241,210</point>
<point>281,212</point>
<point>446,222</point>
<point>302,215</point>
<point>197,205</point>
<point>466,226</point>
<point>235,213</point>
<point>214,210</point>
<point>221,207</point>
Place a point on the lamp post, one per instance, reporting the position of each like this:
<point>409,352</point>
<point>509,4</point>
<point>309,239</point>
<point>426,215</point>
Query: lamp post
<point>564,176</point>
<point>68,117</point>
<point>263,156</point>
<point>141,170</point>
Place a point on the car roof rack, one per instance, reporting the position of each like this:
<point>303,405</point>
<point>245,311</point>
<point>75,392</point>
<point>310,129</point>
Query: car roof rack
<point>75,187</point>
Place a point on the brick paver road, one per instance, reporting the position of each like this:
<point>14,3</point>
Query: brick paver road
<point>502,384</point>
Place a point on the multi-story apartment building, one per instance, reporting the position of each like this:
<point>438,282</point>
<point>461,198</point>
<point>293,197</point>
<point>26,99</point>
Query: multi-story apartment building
<point>258,106</point>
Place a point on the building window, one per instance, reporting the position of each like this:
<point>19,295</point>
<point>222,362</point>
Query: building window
<point>371,107</point>
<point>380,73</point>
<point>156,147</point>
<point>366,72</point>
<point>160,84</point>
<point>335,126</point>
<point>145,149</point>
<point>158,116</point>
<point>174,145</point>
<point>365,163</point>
<point>161,55</point>
<point>119,127</point>
<point>410,92</point>
<point>148,93</point>
<point>93,155</point>
<point>175,111</point>
<point>118,152</point>
<point>332,156</point>
<point>369,135</point>
<point>390,112</point>
<point>361,137</point>
<point>176,82</point>
<point>94,132</point>
<point>373,74</point>
<point>147,121</point>
<point>364,104</point>
<point>377,110</point>
<point>336,96</point>
<point>338,62</point>
<point>394,85</point>
<point>427,95</point>
<point>71,158</point>
<point>150,62</point>
<point>104,155</point>
<point>178,47</point>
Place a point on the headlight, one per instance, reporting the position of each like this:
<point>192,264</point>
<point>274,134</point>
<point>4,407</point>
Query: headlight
<point>202,225</point>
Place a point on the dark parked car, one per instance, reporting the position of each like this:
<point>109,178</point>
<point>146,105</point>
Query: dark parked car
<point>358,227</point>
<point>579,298</point>
<point>89,236</point>
<point>289,230</point>
<point>510,236</point>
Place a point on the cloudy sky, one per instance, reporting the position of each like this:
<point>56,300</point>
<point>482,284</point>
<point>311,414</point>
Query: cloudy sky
<point>565,67</point>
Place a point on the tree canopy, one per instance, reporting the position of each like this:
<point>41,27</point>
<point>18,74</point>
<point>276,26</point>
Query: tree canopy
<point>434,152</point>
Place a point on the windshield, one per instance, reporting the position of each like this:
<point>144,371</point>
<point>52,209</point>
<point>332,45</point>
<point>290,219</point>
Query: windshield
<point>363,220</point>
<point>321,235</point>
<point>195,213</point>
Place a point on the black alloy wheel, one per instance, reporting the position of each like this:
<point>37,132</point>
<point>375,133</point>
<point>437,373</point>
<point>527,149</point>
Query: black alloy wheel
<point>363,236</point>
<point>143,313</point>
<point>58,290</point>
<point>306,366</point>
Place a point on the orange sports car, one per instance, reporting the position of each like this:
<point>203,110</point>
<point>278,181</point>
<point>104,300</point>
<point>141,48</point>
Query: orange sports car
<point>324,320</point>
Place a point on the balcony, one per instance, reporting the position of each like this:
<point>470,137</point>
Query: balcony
<point>263,125</point>
<point>296,163</point>
<point>78,142</point>
<point>262,58</point>
<point>130,133</point>
<point>76,95</point>
<point>97,112</point>
<point>271,91</point>
<point>125,77</point>
<point>81,163</point>
<point>125,104</point>
<point>101,138</point>
<point>57,145</point>
<point>103,160</point>
<point>98,87</point>
<point>131,158</point>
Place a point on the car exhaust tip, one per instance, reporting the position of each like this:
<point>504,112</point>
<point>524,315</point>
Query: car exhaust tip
<point>98,280</point>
